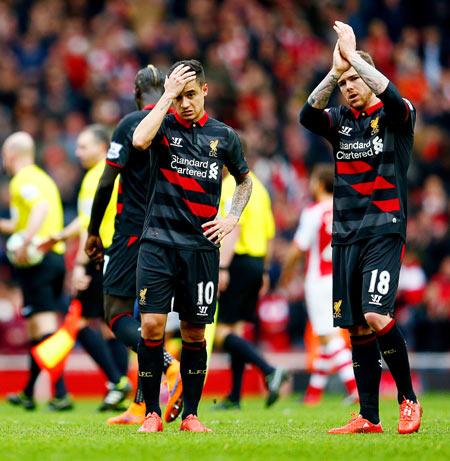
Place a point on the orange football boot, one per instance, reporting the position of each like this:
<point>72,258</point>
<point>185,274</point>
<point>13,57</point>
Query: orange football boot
<point>192,424</point>
<point>410,417</point>
<point>135,414</point>
<point>175,388</point>
<point>152,423</point>
<point>357,425</point>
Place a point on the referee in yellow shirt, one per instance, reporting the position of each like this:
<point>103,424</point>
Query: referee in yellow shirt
<point>36,212</point>
<point>87,278</point>
<point>244,258</point>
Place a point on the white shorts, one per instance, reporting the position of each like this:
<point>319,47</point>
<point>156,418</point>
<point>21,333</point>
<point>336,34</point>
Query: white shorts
<point>319,300</point>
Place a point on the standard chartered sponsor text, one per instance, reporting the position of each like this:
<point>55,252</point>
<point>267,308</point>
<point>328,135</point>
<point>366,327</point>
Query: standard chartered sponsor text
<point>357,149</point>
<point>183,166</point>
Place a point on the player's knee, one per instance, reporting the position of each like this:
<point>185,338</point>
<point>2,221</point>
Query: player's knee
<point>222,331</point>
<point>115,308</point>
<point>192,333</point>
<point>376,321</point>
<point>152,326</point>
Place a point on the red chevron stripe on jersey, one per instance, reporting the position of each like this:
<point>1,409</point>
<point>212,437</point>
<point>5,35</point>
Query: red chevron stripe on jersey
<point>388,205</point>
<point>366,188</point>
<point>186,183</point>
<point>203,211</point>
<point>352,167</point>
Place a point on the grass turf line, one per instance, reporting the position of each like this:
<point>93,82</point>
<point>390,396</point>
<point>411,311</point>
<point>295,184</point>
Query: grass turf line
<point>288,431</point>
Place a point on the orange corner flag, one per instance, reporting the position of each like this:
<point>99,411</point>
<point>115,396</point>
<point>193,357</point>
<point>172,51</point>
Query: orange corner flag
<point>51,353</point>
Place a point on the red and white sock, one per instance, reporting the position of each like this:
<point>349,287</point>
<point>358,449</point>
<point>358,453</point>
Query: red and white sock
<point>319,378</point>
<point>341,362</point>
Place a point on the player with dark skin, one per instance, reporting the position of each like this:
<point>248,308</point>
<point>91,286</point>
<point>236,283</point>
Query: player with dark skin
<point>119,281</point>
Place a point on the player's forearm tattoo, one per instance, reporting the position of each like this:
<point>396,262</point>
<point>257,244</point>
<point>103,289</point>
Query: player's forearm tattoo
<point>321,94</point>
<point>166,105</point>
<point>241,197</point>
<point>373,78</point>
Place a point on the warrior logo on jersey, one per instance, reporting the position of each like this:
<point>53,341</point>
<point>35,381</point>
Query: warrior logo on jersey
<point>374,125</point>
<point>213,146</point>
<point>142,296</point>
<point>337,314</point>
<point>345,130</point>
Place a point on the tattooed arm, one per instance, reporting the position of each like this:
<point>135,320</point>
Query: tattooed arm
<point>321,94</point>
<point>373,78</point>
<point>312,116</point>
<point>217,229</point>
<point>146,130</point>
<point>241,196</point>
<point>397,109</point>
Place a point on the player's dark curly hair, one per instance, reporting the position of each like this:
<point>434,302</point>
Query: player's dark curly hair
<point>149,81</point>
<point>194,65</point>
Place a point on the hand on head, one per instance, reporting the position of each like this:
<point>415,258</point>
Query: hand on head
<point>177,80</point>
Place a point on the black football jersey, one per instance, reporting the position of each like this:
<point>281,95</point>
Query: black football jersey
<point>134,175</point>
<point>372,151</point>
<point>186,164</point>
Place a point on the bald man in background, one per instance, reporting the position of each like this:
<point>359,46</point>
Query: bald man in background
<point>36,211</point>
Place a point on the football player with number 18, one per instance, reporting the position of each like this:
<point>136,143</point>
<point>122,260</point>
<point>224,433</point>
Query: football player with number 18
<point>372,141</point>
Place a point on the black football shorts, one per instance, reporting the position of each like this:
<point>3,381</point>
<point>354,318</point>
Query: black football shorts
<point>365,278</point>
<point>119,278</point>
<point>238,301</point>
<point>91,299</point>
<point>42,285</point>
<point>190,276</point>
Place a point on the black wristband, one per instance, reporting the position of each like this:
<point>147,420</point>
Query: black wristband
<point>222,268</point>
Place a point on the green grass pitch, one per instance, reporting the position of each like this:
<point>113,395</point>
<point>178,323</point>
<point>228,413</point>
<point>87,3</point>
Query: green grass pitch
<point>288,431</point>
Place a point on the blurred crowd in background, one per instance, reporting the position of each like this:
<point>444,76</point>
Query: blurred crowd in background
<point>67,63</point>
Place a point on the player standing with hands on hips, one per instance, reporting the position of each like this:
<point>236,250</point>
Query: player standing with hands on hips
<point>179,252</point>
<point>372,141</point>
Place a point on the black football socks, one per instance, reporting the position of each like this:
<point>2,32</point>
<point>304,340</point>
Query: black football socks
<point>119,353</point>
<point>237,374</point>
<point>34,369</point>
<point>393,349</point>
<point>234,344</point>
<point>367,368</point>
<point>126,329</point>
<point>139,395</point>
<point>193,372</point>
<point>94,344</point>
<point>151,363</point>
